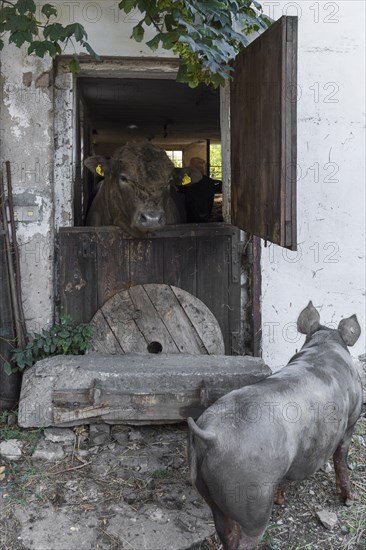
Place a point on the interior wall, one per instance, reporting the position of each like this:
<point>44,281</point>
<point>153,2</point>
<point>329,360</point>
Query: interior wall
<point>194,150</point>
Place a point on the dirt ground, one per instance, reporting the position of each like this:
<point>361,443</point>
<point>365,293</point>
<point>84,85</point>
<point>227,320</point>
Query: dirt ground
<point>96,488</point>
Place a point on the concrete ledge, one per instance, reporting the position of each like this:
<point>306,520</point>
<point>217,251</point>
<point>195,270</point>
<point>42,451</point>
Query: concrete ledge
<point>131,388</point>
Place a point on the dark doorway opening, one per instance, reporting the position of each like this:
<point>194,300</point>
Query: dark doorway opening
<point>113,111</point>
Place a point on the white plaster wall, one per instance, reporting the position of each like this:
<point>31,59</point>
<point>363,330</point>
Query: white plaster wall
<point>27,142</point>
<point>108,28</point>
<point>329,267</point>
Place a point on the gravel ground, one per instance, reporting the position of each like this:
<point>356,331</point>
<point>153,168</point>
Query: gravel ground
<point>136,469</point>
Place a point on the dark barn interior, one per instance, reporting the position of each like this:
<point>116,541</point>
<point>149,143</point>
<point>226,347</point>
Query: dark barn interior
<point>117,110</point>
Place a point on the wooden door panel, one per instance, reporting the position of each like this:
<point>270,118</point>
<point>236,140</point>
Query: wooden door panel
<point>263,135</point>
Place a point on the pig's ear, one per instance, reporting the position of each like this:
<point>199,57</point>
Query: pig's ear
<point>308,321</point>
<point>350,330</point>
<point>98,165</point>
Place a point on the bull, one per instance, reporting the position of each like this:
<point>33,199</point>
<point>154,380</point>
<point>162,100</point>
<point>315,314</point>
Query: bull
<point>249,444</point>
<point>198,189</point>
<point>136,193</point>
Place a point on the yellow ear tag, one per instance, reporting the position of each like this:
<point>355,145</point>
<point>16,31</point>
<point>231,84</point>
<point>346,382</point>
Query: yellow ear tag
<point>99,170</point>
<point>186,179</point>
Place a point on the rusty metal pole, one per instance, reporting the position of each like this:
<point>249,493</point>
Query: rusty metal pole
<point>13,260</point>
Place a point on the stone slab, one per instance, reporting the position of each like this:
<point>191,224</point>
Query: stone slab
<point>137,375</point>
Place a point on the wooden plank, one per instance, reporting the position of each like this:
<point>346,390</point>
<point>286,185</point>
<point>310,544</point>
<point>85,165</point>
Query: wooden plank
<point>180,265</point>
<point>78,275</point>
<point>256,299</point>
<point>150,322</point>
<point>72,398</point>
<point>113,265</point>
<point>66,416</point>
<point>263,135</point>
<point>175,319</point>
<point>104,339</point>
<point>146,261</point>
<point>235,337</point>
<point>120,314</point>
<point>202,322</point>
<point>290,105</point>
<point>213,259</point>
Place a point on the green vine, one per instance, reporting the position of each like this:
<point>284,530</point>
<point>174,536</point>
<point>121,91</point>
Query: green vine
<point>19,20</point>
<point>205,34</point>
<point>65,338</point>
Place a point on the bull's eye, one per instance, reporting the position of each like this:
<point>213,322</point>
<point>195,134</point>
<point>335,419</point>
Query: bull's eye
<point>123,178</point>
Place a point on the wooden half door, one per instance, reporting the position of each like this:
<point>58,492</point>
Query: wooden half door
<point>263,135</point>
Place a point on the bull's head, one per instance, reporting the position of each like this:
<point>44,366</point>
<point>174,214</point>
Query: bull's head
<point>136,187</point>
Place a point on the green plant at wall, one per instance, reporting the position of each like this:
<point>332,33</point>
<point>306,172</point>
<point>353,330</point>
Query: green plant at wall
<point>65,338</point>
<point>205,34</point>
<point>24,22</point>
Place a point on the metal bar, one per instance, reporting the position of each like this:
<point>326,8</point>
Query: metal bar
<point>21,328</point>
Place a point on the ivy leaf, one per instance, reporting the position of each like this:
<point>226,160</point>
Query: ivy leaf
<point>90,50</point>
<point>138,33</point>
<point>169,22</point>
<point>74,65</point>
<point>76,30</point>
<point>19,37</point>
<point>154,42</point>
<point>41,48</point>
<point>7,368</point>
<point>126,5</point>
<point>54,32</point>
<point>48,10</point>
<point>24,6</point>
<point>18,23</point>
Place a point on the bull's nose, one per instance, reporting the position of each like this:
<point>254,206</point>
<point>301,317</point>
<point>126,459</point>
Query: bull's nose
<point>150,220</point>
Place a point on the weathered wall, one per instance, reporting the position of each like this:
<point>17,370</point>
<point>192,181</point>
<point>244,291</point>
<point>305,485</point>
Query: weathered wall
<point>329,266</point>
<point>27,142</point>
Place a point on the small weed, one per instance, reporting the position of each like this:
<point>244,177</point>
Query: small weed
<point>161,474</point>
<point>65,338</point>
<point>8,432</point>
<point>4,417</point>
<point>267,537</point>
<point>29,437</point>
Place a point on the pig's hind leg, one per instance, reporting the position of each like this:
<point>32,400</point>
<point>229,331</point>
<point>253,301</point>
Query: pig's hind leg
<point>343,484</point>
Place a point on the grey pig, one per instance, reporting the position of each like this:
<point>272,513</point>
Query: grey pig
<point>251,442</point>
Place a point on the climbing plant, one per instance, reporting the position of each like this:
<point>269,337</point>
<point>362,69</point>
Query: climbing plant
<point>205,34</point>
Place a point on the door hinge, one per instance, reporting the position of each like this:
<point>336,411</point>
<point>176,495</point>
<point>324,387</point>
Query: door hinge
<point>87,249</point>
<point>236,253</point>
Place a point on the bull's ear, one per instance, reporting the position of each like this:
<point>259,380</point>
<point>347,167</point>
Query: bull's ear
<point>350,330</point>
<point>308,321</point>
<point>185,176</point>
<point>98,165</point>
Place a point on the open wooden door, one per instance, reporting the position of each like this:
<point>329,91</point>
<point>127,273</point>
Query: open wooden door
<point>263,135</point>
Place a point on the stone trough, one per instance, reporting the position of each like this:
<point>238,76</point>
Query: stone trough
<point>130,388</point>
